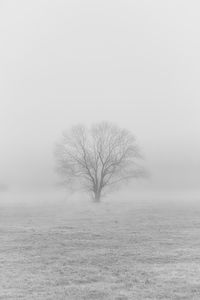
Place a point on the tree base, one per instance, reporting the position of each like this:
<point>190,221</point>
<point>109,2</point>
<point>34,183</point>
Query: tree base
<point>97,199</point>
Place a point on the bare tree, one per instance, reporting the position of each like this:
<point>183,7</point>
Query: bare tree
<point>98,159</point>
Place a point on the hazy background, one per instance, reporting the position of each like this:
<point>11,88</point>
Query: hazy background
<point>135,63</point>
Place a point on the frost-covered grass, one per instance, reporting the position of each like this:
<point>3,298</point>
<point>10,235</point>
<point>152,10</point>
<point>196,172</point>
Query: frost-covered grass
<point>114,250</point>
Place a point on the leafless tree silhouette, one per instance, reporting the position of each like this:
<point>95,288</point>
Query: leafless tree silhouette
<point>98,159</point>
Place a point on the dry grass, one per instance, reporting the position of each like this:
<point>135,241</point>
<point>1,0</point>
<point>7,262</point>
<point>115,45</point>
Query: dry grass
<point>115,250</point>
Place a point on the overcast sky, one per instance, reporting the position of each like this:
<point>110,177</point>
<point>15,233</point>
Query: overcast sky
<point>135,63</point>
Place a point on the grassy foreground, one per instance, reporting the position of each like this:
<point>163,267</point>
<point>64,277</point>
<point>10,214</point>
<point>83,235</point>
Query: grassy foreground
<point>113,250</point>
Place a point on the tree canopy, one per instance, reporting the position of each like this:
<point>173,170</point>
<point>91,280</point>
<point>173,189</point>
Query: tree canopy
<point>98,159</point>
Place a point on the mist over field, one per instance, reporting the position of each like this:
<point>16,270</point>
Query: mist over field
<point>135,64</point>
<point>70,62</point>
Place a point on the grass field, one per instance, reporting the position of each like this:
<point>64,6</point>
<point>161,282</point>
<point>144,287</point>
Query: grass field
<point>119,249</point>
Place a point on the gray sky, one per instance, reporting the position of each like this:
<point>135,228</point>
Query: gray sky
<point>135,63</point>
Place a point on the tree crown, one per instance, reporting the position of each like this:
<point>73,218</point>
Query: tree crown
<point>99,158</point>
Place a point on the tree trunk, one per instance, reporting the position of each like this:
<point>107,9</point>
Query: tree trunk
<point>97,196</point>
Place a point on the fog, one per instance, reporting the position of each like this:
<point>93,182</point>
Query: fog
<point>134,63</point>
